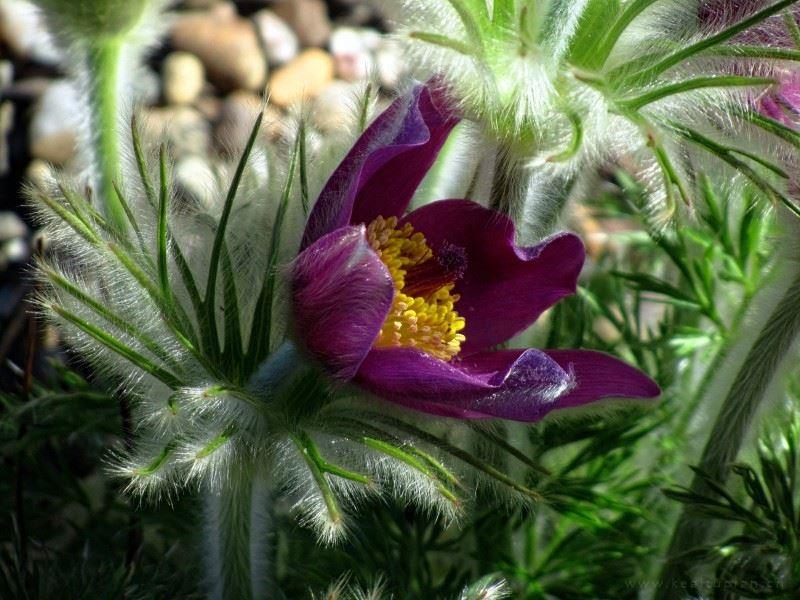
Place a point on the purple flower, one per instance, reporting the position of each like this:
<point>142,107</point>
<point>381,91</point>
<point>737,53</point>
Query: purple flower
<point>409,306</point>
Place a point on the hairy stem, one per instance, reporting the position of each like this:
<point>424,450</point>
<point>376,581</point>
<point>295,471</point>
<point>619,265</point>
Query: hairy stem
<point>532,198</point>
<point>509,184</point>
<point>748,390</point>
<point>237,531</point>
<point>104,58</point>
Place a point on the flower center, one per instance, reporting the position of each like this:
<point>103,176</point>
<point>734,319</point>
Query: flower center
<point>422,315</point>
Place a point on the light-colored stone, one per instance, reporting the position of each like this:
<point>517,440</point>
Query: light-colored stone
<point>14,251</point>
<point>183,128</point>
<point>227,45</point>
<point>304,77</point>
<point>53,130</point>
<point>14,247</point>
<point>308,18</point>
<point>336,108</point>
<point>183,77</point>
<point>7,113</point>
<point>6,73</point>
<point>390,65</point>
<point>195,179</point>
<point>280,42</point>
<point>40,174</point>
<point>236,119</point>
<point>352,52</point>
<point>23,29</point>
<point>11,226</point>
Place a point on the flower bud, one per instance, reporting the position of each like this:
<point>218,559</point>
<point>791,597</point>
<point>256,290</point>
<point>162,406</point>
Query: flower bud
<point>95,18</point>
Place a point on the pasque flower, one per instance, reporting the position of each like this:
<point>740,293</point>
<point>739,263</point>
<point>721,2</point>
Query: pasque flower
<point>410,306</point>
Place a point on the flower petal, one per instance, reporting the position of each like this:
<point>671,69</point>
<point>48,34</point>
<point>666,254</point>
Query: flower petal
<point>598,376</point>
<point>505,288</point>
<point>341,294</point>
<point>380,174</point>
<point>521,385</point>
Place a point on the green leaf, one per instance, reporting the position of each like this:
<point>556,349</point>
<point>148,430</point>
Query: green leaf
<point>233,351</point>
<point>445,42</point>
<point>650,283</point>
<point>585,47</point>
<point>215,444</point>
<point>727,155</point>
<point>714,81</point>
<point>142,164</point>
<point>304,199</point>
<point>210,301</point>
<point>158,462</point>
<point>119,347</point>
<point>677,57</point>
<point>261,330</point>
<point>107,314</point>
<point>471,26</point>
<point>163,264</point>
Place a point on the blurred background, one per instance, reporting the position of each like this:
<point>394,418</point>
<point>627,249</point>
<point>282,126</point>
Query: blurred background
<point>202,88</point>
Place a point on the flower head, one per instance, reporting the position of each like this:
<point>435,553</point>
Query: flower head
<point>410,306</point>
<point>96,17</point>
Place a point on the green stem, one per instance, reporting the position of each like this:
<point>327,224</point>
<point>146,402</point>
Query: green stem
<point>237,533</point>
<point>748,390</point>
<point>508,185</point>
<point>104,57</point>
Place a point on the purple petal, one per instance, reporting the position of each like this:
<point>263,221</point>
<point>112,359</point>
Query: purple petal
<point>505,288</point>
<point>380,174</point>
<point>783,102</point>
<point>341,294</point>
<point>598,376</point>
<point>520,385</point>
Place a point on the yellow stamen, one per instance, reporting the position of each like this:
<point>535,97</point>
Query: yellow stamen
<point>428,323</point>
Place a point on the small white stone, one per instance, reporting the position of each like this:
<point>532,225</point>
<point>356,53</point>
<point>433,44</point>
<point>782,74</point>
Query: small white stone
<point>11,226</point>
<point>335,109</point>
<point>23,28</point>
<point>352,52</point>
<point>195,178</point>
<point>183,77</point>
<point>56,121</point>
<point>280,42</point>
<point>15,251</point>
<point>389,64</point>
<point>183,128</point>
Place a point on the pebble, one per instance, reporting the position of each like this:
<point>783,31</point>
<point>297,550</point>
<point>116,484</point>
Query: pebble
<point>40,174</point>
<point>23,29</point>
<point>237,116</point>
<point>183,128</point>
<point>389,64</point>
<point>56,120</point>
<point>183,77</point>
<point>195,179</point>
<point>14,246</point>
<point>11,226</point>
<point>336,107</point>
<point>352,52</point>
<point>227,45</point>
<point>280,42</point>
<point>304,77</point>
<point>7,113</point>
<point>308,18</point>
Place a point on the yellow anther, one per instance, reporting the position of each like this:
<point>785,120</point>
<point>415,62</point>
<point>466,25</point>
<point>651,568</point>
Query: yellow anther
<point>429,323</point>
